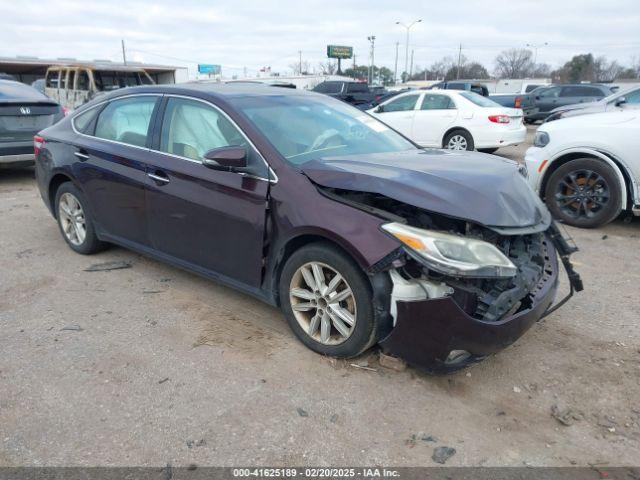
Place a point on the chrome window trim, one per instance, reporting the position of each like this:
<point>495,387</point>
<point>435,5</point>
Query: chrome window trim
<point>273,180</point>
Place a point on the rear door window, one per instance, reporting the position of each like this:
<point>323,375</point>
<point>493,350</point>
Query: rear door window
<point>357,88</point>
<point>401,104</point>
<point>127,120</point>
<point>436,102</point>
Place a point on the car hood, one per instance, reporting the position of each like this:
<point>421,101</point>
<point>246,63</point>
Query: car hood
<point>595,106</point>
<point>481,188</point>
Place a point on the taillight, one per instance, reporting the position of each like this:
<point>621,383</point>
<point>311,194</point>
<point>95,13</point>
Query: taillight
<point>499,118</point>
<point>65,111</point>
<point>38,143</point>
<point>518,103</point>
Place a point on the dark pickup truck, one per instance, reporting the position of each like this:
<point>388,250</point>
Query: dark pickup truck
<point>523,101</point>
<point>355,93</point>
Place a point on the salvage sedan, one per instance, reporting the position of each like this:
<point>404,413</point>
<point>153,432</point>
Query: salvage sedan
<point>307,203</point>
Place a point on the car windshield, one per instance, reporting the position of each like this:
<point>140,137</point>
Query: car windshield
<point>619,94</point>
<point>479,100</point>
<point>307,127</point>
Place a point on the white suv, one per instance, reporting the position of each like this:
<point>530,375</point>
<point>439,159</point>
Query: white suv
<point>587,168</point>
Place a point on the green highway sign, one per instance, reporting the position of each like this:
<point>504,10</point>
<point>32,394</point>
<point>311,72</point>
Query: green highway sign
<point>339,51</point>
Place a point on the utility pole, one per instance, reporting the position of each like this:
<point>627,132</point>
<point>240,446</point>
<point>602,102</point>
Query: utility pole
<point>124,55</point>
<point>395,70</point>
<point>300,64</point>
<point>459,62</point>
<point>372,39</point>
<point>406,50</point>
<point>354,67</point>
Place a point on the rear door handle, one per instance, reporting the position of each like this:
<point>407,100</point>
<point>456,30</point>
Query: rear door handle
<point>158,177</point>
<point>82,155</point>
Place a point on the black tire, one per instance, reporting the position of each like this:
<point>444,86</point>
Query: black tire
<point>593,213</point>
<point>90,244</point>
<point>463,133</point>
<point>488,150</point>
<point>366,328</point>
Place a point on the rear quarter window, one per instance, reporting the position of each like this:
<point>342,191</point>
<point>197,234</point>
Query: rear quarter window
<point>83,121</point>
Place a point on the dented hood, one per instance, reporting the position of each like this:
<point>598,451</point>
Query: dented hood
<point>472,186</point>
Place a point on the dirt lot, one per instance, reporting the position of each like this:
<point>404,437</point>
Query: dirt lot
<point>151,365</point>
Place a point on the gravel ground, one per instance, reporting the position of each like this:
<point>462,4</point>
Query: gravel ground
<point>152,365</point>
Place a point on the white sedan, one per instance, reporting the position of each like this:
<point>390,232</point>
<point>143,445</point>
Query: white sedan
<point>587,168</point>
<point>453,119</point>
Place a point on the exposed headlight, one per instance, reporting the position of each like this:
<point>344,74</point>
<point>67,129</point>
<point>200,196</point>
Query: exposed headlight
<point>453,255</point>
<point>541,140</point>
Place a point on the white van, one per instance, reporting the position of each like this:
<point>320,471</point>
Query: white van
<point>73,85</point>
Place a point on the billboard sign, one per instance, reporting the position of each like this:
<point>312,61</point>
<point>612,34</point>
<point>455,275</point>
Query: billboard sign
<point>209,69</point>
<point>339,51</point>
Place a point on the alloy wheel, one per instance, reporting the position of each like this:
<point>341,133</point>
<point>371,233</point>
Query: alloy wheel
<point>72,219</point>
<point>323,303</point>
<point>457,142</point>
<point>582,193</point>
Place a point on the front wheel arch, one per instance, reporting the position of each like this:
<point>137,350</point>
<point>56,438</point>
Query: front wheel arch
<point>295,243</point>
<point>626,195</point>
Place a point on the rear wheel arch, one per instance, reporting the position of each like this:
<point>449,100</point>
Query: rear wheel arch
<point>54,184</point>
<point>456,129</point>
<point>622,173</point>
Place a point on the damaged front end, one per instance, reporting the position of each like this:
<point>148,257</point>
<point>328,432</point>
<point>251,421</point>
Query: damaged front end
<point>460,291</point>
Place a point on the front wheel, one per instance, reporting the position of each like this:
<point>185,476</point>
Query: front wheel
<point>584,193</point>
<point>458,140</point>
<point>327,301</point>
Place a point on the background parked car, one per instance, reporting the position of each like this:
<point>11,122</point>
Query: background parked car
<point>548,98</point>
<point>72,86</point>
<point>621,100</point>
<point>23,112</point>
<point>587,167</point>
<point>478,88</point>
<point>354,93</point>
<point>39,85</point>
<point>456,120</point>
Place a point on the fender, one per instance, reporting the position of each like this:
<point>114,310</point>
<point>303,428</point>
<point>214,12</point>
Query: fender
<point>609,160</point>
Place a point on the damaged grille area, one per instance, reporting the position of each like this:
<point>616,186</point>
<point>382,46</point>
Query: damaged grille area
<point>482,298</point>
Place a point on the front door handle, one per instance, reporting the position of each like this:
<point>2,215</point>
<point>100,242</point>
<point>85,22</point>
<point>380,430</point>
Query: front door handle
<point>82,155</point>
<point>158,177</point>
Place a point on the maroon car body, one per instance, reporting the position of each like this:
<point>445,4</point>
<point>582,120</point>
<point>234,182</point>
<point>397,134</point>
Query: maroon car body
<point>240,225</point>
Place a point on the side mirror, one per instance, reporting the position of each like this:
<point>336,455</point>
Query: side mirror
<point>225,158</point>
<point>380,109</point>
<point>621,101</point>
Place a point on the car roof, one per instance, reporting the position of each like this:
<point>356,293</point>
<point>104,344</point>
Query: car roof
<point>11,90</point>
<point>217,90</point>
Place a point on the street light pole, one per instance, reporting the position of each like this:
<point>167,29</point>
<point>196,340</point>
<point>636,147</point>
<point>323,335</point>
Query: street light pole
<point>535,50</point>
<point>372,39</point>
<point>406,50</point>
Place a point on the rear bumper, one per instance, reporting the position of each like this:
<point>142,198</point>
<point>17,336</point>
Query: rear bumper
<point>427,331</point>
<point>20,160</point>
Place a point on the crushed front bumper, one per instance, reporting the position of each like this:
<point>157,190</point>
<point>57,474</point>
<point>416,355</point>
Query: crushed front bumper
<point>428,331</point>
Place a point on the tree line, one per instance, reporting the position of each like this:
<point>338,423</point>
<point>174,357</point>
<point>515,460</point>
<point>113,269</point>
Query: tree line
<point>512,63</point>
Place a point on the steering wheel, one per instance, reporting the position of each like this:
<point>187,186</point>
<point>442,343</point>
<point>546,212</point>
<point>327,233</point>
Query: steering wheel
<point>322,139</point>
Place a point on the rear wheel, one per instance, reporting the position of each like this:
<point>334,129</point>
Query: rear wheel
<point>75,221</point>
<point>327,301</point>
<point>584,193</point>
<point>458,140</point>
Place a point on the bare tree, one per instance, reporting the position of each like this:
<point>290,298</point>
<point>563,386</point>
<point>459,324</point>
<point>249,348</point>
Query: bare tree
<point>328,67</point>
<point>297,70</point>
<point>514,63</point>
<point>606,71</point>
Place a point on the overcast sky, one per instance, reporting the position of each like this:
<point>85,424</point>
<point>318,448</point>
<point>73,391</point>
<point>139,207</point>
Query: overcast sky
<point>253,34</point>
